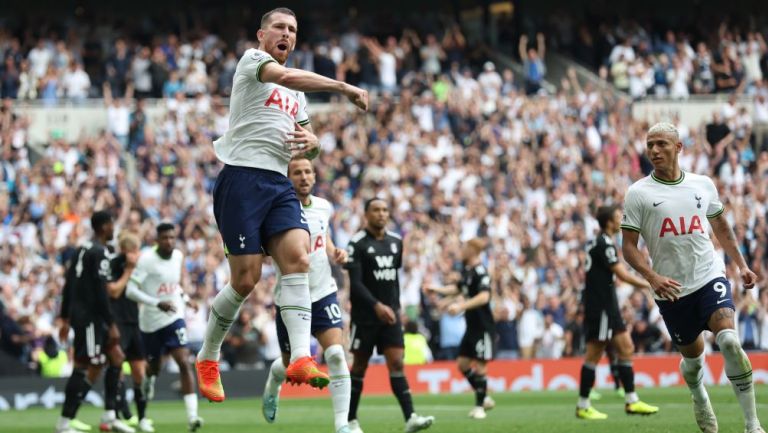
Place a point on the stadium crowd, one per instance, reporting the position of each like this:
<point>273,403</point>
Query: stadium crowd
<point>646,58</point>
<point>457,153</point>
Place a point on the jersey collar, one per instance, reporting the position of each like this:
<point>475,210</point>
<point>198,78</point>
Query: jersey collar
<point>307,206</point>
<point>669,182</point>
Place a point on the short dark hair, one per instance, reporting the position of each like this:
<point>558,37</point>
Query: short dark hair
<point>370,201</point>
<point>99,219</point>
<point>164,227</point>
<point>605,214</point>
<point>265,18</point>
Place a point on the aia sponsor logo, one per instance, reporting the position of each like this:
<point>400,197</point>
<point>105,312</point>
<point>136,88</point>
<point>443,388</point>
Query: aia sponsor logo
<point>284,102</point>
<point>670,227</point>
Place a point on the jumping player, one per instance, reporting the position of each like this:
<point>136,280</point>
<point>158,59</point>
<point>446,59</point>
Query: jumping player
<point>255,205</point>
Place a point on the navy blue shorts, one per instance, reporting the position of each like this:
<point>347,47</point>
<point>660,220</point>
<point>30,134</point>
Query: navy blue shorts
<point>251,205</point>
<point>326,314</point>
<point>165,339</point>
<point>689,315</point>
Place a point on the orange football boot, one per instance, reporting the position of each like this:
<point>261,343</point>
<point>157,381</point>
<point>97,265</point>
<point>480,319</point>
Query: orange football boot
<point>304,370</point>
<point>209,380</point>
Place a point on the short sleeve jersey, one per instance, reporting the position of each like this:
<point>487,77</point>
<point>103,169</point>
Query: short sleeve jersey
<point>672,218</point>
<point>260,118</point>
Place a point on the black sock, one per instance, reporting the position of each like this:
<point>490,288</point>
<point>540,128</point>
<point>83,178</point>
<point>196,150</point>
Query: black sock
<point>74,393</point>
<point>587,380</point>
<point>627,375</point>
<point>616,375</point>
<point>122,402</point>
<point>141,401</point>
<point>481,389</point>
<point>471,376</point>
<point>111,381</point>
<point>354,401</point>
<point>403,393</point>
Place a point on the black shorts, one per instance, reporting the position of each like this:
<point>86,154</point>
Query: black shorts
<point>131,342</point>
<point>91,343</point>
<point>478,345</point>
<point>363,338</point>
<point>603,324</point>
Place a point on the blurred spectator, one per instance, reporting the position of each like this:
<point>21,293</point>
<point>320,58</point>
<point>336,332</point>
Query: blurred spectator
<point>533,63</point>
<point>530,329</point>
<point>747,312</point>
<point>417,350</point>
<point>432,55</point>
<point>762,317</point>
<point>552,339</point>
<point>16,335</point>
<point>574,342</point>
<point>51,359</point>
<point>386,59</point>
<point>451,331</point>
<point>76,82</point>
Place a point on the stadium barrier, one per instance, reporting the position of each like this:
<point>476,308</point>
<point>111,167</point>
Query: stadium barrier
<point>22,392</point>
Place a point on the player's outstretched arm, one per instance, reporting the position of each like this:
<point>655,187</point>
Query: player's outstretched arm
<point>727,239</point>
<point>305,81</point>
<point>664,287</point>
<point>476,301</point>
<point>449,290</point>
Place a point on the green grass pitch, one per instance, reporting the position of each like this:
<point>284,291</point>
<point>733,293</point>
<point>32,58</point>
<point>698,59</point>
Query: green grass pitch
<point>540,412</point>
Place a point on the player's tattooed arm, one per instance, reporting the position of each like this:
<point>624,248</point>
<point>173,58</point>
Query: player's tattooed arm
<point>727,239</point>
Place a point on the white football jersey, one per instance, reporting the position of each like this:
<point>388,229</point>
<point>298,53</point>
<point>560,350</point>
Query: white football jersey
<point>672,218</point>
<point>159,278</point>
<point>261,116</point>
<point>321,282</point>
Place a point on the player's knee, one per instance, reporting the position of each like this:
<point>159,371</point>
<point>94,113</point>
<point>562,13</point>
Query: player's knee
<point>295,261</point>
<point>627,351</point>
<point>395,365</point>
<point>728,341</point>
<point>464,364</point>
<point>301,262</point>
<point>245,283</point>
<point>334,355</point>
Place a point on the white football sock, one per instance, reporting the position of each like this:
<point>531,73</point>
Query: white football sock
<point>296,312</point>
<point>739,372</point>
<point>190,402</point>
<point>108,416</point>
<point>341,385</point>
<point>692,370</point>
<point>583,403</point>
<point>276,376</point>
<point>224,311</point>
<point>63,423</point>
